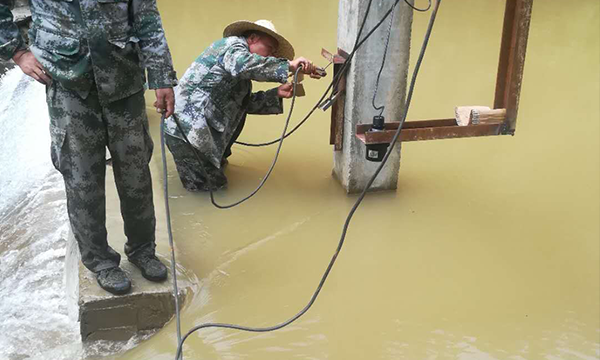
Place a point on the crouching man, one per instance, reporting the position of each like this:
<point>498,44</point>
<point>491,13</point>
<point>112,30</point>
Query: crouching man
<point>215,95</point>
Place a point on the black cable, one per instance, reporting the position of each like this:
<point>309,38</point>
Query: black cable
<point>387,43</point>
<point>264,180</point>
<point>416,8</point>
<point>169,229</point>
<point>350,215</point>
<point>335,81</point>
<point>360,30</point>
<point>283,135</point>
<point>362,25</point>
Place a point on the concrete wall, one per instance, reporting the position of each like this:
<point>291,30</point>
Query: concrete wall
<point>350,166</point>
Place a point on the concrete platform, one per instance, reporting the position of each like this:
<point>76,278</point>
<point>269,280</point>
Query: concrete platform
<point>103,316</point>
<point>147,308</point>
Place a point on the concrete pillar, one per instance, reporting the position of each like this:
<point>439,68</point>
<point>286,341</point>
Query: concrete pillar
<point>350,166</point>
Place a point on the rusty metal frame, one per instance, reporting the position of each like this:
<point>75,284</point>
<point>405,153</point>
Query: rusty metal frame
<point>336,137</point>
<point>515,33</point>
<point>517,18</point>
<point>425,130</point>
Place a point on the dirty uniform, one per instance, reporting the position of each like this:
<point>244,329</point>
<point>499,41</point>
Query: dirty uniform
<point>95,51</point>
<point>211,103</point>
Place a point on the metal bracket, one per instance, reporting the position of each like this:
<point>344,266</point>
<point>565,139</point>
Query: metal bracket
<point>338,99</point>
<point>517,19</point>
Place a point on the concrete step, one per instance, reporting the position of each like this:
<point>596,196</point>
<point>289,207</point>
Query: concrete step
<point>104,316</point>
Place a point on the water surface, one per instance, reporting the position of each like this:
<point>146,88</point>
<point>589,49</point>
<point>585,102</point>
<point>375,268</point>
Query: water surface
<point>488,250</point>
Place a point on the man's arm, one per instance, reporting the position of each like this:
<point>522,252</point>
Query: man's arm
<point>147,27</point>
<point>12,46</point>
<point>240,62</point>
<point>10,38</point>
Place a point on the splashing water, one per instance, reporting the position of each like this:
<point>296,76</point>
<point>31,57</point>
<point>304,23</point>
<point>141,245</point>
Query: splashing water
<point>33,230</point>
<point>24,140</point>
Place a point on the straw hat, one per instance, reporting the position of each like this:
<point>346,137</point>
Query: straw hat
<point>238,28</point>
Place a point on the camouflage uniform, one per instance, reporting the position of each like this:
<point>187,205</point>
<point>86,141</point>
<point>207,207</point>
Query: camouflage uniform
<point>95,52</point>
<point>211,103</point>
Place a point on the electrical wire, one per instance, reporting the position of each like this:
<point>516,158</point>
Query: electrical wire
<point>387,43</point>
<point>416,8</point>
<point>283,135</point>
<point>348,219</point>
<point>336,80</point>
<point>266,177</point>
<point>363,23</point>
<point>169,229</point>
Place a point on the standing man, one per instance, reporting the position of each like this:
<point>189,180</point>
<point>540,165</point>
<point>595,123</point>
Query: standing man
<point>215,94</point>
<point>91,56</point>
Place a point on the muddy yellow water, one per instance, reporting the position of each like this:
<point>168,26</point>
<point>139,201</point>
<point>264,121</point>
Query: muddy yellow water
<point>488,250</point>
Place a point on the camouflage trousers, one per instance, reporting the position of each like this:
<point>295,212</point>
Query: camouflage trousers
<point>195,175</point>
<point>81,130</point>
<point>195,172</point>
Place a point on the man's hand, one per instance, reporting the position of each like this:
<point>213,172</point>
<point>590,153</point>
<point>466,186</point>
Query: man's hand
<point>30,66</point>
<point>165,101</point>
<point>307,65</point>
<point>285,91</point>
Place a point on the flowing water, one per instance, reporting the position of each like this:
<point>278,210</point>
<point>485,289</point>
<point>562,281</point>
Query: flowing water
<point>33,227</point>
<point>490,248</point>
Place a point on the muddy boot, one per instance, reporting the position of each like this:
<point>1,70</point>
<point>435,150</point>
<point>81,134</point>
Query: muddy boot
<point>114,280</point>
<point>152,269</point>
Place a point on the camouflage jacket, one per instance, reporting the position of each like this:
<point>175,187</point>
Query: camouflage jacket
<point>104,42</point>
<point>215,93</point>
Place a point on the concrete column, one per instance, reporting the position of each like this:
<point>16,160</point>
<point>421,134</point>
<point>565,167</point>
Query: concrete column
<point>350,166</point>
